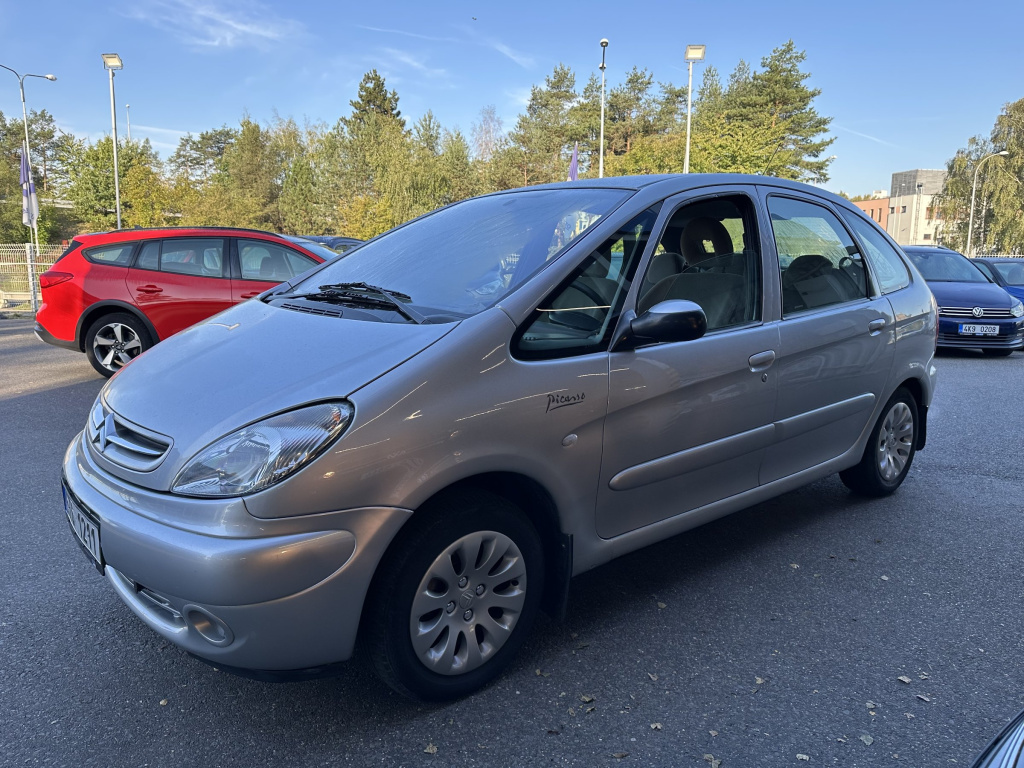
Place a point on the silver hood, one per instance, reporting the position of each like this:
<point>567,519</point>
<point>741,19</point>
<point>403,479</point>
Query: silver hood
<point>241,366</point>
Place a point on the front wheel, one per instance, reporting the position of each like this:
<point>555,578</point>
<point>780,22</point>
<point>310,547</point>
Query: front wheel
<point>115,340</point>
<point>890,450</point>
<point>455,597</point>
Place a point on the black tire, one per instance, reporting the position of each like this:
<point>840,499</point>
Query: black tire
<point>997,352</point>
<point>115,340</point>
<point>878,473</point>
<point>395,600</point>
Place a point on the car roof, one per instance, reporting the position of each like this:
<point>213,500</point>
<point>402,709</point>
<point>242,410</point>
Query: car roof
<point>148,232</point>
<point>673,183</point>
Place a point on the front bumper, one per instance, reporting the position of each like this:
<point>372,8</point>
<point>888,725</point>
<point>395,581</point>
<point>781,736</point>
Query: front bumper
<point>1011,334</point>
<point>267,595</point>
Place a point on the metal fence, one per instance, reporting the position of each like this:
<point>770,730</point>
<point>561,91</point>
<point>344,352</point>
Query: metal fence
<point>20,267</point>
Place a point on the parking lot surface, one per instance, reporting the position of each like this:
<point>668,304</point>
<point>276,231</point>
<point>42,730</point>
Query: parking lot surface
<point>815,629</point>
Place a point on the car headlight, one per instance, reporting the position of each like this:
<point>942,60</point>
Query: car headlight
<point>1017,309</point>
<point>261,454</point>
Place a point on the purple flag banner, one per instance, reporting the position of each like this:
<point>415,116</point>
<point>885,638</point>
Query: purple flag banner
<point>29,202</point>
<point>574,164</point>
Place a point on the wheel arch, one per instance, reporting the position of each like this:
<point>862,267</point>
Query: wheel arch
<point>914,386</point>
<point>101,308</point>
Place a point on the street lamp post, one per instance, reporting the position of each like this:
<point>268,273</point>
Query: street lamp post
<point>693,53</point>
<point>128,115</point>
<point>600,162</point>
<point>974,188</point>
<point>899,211</point>
<point>28,160</point>
<point>112,62</point>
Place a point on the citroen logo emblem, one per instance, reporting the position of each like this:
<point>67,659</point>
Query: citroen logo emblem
<point>103,433</point>
<point>978,312</point>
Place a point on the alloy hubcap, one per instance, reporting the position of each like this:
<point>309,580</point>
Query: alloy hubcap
<point>468,603</point>
<point>116,345</point>
<point>895,441</point>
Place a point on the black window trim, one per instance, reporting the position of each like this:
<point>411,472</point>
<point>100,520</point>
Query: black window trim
<point>88,250</point>
<point>872,288</point>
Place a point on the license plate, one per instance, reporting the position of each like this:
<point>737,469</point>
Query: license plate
<point>969,329</point>
<point>84,526</point>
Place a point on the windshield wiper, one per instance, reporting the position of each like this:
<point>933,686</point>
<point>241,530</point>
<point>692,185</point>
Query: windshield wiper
<point>368,295</point>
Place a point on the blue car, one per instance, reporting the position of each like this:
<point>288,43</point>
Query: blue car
<point>974,312</point>
<point>1008,273</point>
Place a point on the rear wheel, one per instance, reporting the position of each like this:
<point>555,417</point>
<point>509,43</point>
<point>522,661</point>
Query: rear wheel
<point>890,449</point>
<point>997,352</point>
<point>115,340</point>
<point>455,597</point>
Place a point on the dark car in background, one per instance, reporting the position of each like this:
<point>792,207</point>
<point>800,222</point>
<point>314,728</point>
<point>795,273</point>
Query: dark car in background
<point>335,242</point>
<point>1008,273</point>
<point>113,295</point>
<point>974,312</point>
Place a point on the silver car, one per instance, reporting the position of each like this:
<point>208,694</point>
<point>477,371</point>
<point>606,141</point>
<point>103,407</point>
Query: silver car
<point>413,449</point>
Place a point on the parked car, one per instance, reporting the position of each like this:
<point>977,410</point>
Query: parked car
<point>1008,273</point>
<point>418,453</point>
<point>335,242</point>
<point>1007,749</point>
<point>113,295</point>
<point>973,310</point>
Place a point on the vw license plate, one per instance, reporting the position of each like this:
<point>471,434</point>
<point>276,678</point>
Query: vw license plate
<point>970,329</point>
<point>85,528</point>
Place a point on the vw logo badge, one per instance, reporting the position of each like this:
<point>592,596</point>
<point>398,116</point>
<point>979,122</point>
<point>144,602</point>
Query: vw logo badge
<point>978,312</point>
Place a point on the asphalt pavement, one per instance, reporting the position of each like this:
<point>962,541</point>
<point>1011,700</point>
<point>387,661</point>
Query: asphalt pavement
<point>815,629</point>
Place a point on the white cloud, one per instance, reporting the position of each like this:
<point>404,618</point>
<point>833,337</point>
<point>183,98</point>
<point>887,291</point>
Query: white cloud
<point>222,24</point>
<point>867,136</point>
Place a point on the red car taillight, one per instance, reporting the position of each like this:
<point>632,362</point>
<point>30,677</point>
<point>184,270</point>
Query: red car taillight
<point>50,279</point>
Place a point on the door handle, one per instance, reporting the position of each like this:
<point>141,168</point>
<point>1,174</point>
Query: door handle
<point>251,295</point>
<point>149,289</point>
<point>761,361</point>
<point>875,326</point>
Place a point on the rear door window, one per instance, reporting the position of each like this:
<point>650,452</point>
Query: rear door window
<point>203,257</point>
<point>818,260</point>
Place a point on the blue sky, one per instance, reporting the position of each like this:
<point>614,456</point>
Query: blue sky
<point>906,82</point>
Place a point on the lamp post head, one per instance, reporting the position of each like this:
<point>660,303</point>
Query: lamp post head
<point>51,78</point>
<point>604,42</point>
<point>1004,153</point>
<point>112,61</point>
<point>694,53</point>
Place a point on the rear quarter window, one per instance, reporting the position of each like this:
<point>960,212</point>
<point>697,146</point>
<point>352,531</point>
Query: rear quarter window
<point>119,254</point>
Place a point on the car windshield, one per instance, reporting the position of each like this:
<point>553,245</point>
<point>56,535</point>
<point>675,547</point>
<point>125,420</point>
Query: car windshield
<point>463,259</point>
<point>1012,273</point>
<point>946,267</point>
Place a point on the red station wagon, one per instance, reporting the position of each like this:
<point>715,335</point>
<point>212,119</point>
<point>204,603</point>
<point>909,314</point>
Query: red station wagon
<point>113,295</point>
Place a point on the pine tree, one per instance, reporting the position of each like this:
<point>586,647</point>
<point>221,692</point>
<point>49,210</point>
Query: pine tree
<point>373,96</point>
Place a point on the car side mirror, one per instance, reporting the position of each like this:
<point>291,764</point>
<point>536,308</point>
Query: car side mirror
<point>667,321</point>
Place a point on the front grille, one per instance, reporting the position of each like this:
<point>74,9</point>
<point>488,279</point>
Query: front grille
<point>123,443</point>
<point>987,312</point>
<point>310,310</point>
<point>956,340</point>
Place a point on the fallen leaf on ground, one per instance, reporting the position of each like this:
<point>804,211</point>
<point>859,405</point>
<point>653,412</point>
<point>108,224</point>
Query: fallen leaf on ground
<point>586,698</point>
<point>620,755</point>
<point>793,565</point>
<point>713,733</point>
<point>909,716</point>
<point>431,749</point>
<point>662,605</point>
<point>803,757</point>
<point>923,698</point>
<point>591,709</point>
<point>759,680</point>
<point>885,578</point>
<point>867,739</point>
<point>711,759</point>
<point>923,675</point>
<point>870,704</point>
<point>163,702</point>
<point>903,679</point>
<point>653,676</point>
<point>543,674</point>
<point>655,726</point>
